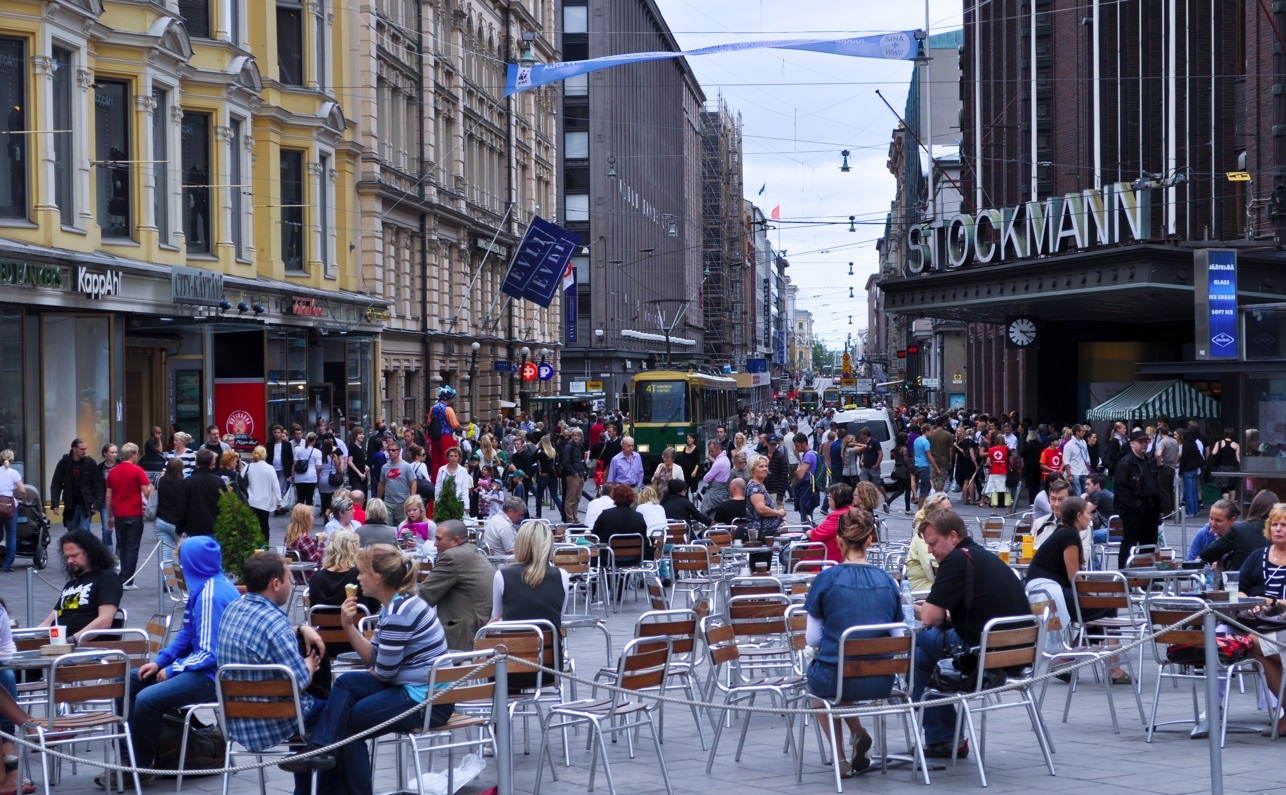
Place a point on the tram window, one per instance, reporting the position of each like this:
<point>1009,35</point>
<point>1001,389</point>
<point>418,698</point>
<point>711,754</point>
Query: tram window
<point>662,401</point>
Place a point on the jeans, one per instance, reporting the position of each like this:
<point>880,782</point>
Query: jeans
<point>106,531</point>
<point>77,517</point>
<point>283,483</point>
<point>168,535</point>
<point>547,483</point>
<point>924,479</point>
<point>304,781</point>
<point>149,701</point>
<point>1192,492</point>
<point>934,644</point>
<point>129,535</point>
<point>357,702</point>
<point>805,500</point>
<point>10,540</point>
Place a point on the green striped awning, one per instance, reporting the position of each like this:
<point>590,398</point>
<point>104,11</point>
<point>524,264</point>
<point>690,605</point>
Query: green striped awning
<point>1146,400</point>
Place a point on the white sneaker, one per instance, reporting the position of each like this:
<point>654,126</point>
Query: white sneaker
<point>129,587</point>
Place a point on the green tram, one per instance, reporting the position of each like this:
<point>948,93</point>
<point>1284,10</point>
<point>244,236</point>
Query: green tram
<point>808,400</point>
<point>670,404</point>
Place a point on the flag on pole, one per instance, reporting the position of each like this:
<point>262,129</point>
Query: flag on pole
<point>776,213</point>
<point>569,276</point>
<point>761,188</point>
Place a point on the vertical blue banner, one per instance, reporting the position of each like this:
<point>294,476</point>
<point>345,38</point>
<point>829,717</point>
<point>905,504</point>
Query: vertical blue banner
<point>569,301</point>
<point>1222,284</point>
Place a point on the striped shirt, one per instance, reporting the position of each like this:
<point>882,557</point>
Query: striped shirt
<point>408,640</point>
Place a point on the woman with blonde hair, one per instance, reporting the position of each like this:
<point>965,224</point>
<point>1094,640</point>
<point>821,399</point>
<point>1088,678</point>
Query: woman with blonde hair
<point>649,507</point>
<point>184,453</point>
<point>299,534</point>
<point>338,569</point>
<point>921,568</point>
<point>10,486</point>
<point>406,643</point>
<point>547,480</point>
<point>262,490</point>
<point>531,588</point>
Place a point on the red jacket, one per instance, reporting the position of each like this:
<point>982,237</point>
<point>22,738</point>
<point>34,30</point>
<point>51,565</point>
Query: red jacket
<point>828,533</point>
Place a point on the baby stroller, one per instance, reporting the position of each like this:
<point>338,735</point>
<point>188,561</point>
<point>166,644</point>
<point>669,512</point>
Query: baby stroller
<point>33,529</point>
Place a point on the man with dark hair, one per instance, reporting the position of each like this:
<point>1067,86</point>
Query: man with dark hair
<point>1104,502</point>
<point>805,479</point>
<point>459,585</point>
<point>1235,541</point>
<point>256,631</point>
<point>778,479</point>
<point>78,479</point>
<point>90,598</point>
<point>201,491</point>
<point>973,586</point>
<point>213,443</point>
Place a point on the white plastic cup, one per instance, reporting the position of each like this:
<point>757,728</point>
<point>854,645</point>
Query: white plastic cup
<point>57,635</point>
<point>1232,584</point>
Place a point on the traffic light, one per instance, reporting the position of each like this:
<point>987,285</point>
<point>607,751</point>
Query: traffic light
<point>901,354</point>
<point>913,349</point>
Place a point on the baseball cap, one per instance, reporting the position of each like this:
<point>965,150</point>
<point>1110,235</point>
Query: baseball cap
<point>1138,436</point>
<point>774,438</point>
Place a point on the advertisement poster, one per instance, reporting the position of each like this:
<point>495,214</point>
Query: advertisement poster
<point>239,410</point>
<point>188,412</point>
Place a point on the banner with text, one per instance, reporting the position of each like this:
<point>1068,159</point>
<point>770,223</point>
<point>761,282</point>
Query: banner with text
<point>536,270</point>
<point>569,301</point>
<point>896,46</point>
<point>1215,291</point>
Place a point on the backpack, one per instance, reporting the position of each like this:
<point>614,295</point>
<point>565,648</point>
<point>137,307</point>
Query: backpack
<point>434,429</point>
<point>206,745</point>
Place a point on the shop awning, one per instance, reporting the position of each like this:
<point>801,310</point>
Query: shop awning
<point>1145,400</point>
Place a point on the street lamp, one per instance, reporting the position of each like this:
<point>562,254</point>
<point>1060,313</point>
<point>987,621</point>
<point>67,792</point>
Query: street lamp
<point>525,352</point>
<point>474,347</point>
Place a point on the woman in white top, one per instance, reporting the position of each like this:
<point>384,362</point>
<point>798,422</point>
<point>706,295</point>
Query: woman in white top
<point>666,471</point>
<point>341,516</point>
<point>305,476</point>
<point>10,486</point>
<point>452,468</point>
<point>261,487</point>
<point>651,511</point>
<point>182,452</point>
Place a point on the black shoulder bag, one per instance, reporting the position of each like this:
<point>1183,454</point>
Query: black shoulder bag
<point>958,671</point>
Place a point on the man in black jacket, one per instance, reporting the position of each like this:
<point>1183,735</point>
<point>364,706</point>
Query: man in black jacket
<point>202,490</point>
<point>778,479</point>
<point>678,507</point>
<point>1138,496</point>
<point>77,480</point>
<point>571,465</point>
<point>281,454</point>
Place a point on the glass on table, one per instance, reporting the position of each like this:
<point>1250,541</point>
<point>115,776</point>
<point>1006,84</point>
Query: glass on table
<point>1232,584</point>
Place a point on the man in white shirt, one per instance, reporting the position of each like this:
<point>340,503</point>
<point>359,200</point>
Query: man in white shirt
<point>501,530</point>
<point>1076,457</point>
<point>599,504</point>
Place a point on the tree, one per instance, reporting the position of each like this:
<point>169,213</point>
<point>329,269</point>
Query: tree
<point>447,505</point>
<point>821,355</point>
<point>237,531</point>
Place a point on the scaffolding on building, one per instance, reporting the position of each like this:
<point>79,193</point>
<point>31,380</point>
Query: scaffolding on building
<point>726,304</point>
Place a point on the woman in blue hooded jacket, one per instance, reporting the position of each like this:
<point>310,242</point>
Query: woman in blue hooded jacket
<point>183,672</point>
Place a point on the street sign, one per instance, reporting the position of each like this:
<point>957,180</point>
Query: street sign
<point>594,386</point>
<point>931,383</point>
<point>504,367</point>
<point>957,378</point>
<point>545,371</point>
<point>576,388</point>
<point>529,371</point>
<point>848,382</point>
<point>866,385</point>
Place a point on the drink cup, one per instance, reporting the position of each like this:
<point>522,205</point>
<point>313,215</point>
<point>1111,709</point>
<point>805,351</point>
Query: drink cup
<point>1004,555</point>
<point>57,635</point>
<point>1232,584</point>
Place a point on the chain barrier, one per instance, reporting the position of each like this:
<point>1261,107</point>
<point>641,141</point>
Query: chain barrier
<point>709,707</point>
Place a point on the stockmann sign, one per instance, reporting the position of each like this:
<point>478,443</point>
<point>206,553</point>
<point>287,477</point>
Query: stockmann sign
<point>1093,217</point>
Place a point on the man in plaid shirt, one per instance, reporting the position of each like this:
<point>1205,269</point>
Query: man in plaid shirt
<point>259,633</point>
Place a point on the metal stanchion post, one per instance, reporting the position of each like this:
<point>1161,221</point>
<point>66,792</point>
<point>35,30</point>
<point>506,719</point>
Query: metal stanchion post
<point>160,585</point>
<point>1212,704</point>
<point>504,738</point>
<point>31,596</point>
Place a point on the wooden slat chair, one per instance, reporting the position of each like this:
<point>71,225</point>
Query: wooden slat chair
<point>643,665</point>
<point>679,627</point>
<point>465,728</point>
<point>871,650</point>
<point>657,598</point>
<point>525,640</point>
<point>762,632</point>
<point>690,567</point>
<point>1163,611</point>
<point>326,620</point>
<point>628,566</point>
<point>1092,590</point>
<point>802,551</point>
<point>587,582</point>
<point>133,643</point>
<point>257,692</point>
<point>726,677</point>
<point>1024,524</point>
<point>1007,643</point>
<point>95,679</point>
<point>812,566</point>
<point>754,586</point>
<point>31,694</point>
<point>992,529</point>
<point>1115,529</point>
<point>425,566</point>
<point>676,533</point>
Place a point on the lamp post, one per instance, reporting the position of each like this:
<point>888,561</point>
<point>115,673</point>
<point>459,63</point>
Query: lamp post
<point>525,352</point>
<point>474,347</point>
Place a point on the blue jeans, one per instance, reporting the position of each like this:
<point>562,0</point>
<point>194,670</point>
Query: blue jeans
<point>106,531</point>
<point>168,535</point>
<point>10,540</point>
<point>357,702</point>
<point>932,645</point>
<point>304,781</point>
<point>149,701</point>
<point>924,478</point>
<point>76,517</point>
<point>1191,492</point>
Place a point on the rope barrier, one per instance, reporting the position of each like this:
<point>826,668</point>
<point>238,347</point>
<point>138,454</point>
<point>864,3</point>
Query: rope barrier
<point>709,707</point>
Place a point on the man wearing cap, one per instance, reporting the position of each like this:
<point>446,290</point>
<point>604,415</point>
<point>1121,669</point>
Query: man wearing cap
<point>443,423</point>
<point>1138,496</point>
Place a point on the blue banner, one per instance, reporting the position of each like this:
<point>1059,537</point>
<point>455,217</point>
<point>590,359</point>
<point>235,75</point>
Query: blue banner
<point>756,365</point>
<point>1222,275</point>
<point>569,300</point>
<point>897,46</point>
<point>781,348</point>
<point>536,270</point>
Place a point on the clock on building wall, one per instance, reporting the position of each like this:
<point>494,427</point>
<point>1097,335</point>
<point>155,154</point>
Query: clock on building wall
<point>1020,332</point>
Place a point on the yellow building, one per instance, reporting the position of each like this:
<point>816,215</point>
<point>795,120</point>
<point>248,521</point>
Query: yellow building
<point>178,220</point>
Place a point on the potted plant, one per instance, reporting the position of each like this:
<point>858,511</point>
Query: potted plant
<point>237,531</point>
<point>448,505</point>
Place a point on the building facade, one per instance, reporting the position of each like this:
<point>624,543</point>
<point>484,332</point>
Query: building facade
<point>630,185</point>
<point>1104,154</point>
<point>177,211</point>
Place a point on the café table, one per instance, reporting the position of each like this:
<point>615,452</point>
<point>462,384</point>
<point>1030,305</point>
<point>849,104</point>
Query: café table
<point>1169,578</point>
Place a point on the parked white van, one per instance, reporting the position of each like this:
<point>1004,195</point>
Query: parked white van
<point>880,421</point>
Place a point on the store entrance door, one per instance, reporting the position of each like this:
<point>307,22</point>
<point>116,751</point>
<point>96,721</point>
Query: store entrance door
<point>145,403</point>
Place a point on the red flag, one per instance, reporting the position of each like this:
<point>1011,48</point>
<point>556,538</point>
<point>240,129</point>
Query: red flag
<point>776,213</point>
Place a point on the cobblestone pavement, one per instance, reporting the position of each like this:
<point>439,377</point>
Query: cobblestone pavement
<point>1089,758</point>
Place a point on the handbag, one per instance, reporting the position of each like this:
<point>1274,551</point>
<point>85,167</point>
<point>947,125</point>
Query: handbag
<point>1271,620</point>
<point>958,673</point>
<point>7,505</point>
<point>1231,649</point>
<point>423,486</point>
<point>335,480</point>
<point>301,466</point>
<point>149,511</point>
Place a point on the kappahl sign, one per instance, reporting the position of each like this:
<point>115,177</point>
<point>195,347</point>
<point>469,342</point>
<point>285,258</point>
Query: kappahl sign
<point>1082,220</point>
<point>96,285</point>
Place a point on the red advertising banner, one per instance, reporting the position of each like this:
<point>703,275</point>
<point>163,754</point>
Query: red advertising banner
<point>239,410</point>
